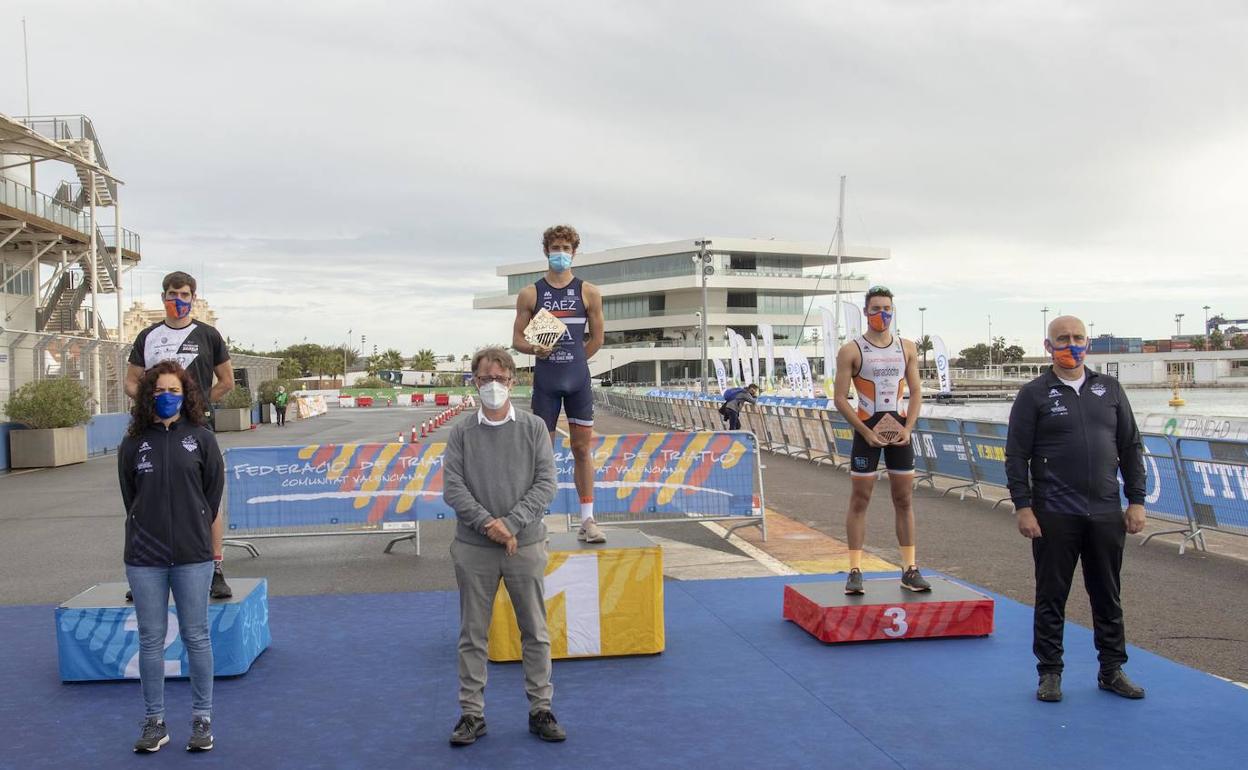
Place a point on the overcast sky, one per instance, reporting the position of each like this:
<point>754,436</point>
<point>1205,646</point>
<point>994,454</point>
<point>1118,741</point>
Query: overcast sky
<point>325,166</point>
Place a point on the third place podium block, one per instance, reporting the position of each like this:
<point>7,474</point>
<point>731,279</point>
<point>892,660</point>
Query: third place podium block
<point>887,611</point>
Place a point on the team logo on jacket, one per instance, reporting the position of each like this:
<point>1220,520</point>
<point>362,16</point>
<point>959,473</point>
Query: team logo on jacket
<point>190,444</point>
<point>144,465</point>
<point>145,447</point>
<point>1098,389</point>
<point>1057,408</point>
<point>1054,393</point>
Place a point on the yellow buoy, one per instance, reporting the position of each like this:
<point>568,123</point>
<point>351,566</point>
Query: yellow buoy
<point>1175,399</point>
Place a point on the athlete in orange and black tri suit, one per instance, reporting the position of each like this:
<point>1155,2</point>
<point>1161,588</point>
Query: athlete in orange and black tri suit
<point>881,366</point>
<point>561,372</point>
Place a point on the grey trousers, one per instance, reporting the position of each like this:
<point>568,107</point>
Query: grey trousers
<point>477,571</point>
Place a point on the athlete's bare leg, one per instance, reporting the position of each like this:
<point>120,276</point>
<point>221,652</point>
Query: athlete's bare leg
<point>902,487</point>
<point>856,518</point>
<point>582,440</point>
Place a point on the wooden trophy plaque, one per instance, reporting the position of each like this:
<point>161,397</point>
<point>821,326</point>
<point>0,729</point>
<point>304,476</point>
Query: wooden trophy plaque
<point>544,329</point>
<point>888,428</point>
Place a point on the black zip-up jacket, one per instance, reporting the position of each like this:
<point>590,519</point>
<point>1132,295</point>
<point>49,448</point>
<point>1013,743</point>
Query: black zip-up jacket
<point>1065,449</point>
<point>171,482</point>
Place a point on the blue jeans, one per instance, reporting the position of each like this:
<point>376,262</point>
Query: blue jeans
<point>190,584</point>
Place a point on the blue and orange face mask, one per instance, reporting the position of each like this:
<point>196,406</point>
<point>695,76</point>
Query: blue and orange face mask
<point>176,308</point>
<point>1068,357</point>
<point>879,320</point>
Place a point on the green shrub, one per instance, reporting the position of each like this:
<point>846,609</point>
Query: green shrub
<point>56,403</point>
<point>239,398</point>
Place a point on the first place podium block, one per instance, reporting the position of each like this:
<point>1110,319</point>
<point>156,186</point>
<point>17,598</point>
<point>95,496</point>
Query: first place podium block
<point>601,599</point>
<point>887,611</point>
<point>97,634</point>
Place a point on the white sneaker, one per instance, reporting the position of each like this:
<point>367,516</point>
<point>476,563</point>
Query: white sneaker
<point>590,533</point>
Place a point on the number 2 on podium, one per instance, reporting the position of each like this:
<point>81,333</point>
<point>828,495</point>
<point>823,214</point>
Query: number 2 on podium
<point>900,626</point>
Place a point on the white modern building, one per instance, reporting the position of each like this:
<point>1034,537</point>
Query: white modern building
<point>1184,367</point>
<point>652,300</point>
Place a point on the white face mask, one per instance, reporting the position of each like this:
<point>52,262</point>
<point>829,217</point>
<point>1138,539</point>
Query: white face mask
<point>494,395</point>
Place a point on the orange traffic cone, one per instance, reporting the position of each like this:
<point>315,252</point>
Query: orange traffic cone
<point>400,437</point>
<point>413,434</point>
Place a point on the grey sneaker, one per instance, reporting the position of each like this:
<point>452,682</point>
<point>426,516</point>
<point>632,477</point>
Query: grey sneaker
<point>201,735</point>
<point>912,580</point>
<point>590,533</point>
<point>467,730</point>
<point>544,726</point>
<point>853,584</point>
<point>154,736</point>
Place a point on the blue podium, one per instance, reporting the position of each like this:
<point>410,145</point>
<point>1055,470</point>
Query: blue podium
<point>97,635</point>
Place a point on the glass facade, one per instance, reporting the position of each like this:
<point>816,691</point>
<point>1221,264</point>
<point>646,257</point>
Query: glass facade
<point>633,306</point>
<point>647,268</point>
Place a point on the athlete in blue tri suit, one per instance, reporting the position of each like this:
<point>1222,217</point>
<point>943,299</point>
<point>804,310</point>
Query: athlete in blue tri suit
<point>561,373</point>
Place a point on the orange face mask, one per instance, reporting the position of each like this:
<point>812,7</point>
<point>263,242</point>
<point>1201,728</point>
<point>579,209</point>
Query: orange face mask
<point>879,320</point>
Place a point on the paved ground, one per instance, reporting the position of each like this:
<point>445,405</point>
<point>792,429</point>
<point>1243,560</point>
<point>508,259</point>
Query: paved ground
<point>1187,608</point>
<point>61,532</point>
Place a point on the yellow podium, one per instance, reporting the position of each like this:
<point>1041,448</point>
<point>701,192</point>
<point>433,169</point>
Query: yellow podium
<point>604,599</point>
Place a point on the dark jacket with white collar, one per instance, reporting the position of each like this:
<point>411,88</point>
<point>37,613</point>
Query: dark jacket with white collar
<point>1065,449</point>
<point>171,481</point>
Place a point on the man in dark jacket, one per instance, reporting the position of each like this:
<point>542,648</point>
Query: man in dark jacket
<point>1071,433</point>
<point>734,399</point>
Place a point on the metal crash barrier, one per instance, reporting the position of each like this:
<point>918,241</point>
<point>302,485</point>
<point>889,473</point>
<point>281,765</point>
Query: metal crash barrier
<point>1197,484</point>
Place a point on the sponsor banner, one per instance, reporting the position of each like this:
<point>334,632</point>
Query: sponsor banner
<point>769,345</point>
<point>942,364</point>
<point>758,371</point>
<point>939,447</point>
<point>1217,481</point>
<point>1163,490</point>
<point>734,357</point>
<point>600,602</point>
<point>720,375</point>
<point>387,486</point>
<point>986,446</point>
<point>853,319</point>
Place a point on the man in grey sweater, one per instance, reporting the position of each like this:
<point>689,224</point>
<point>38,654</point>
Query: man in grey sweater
<point>499,477</point>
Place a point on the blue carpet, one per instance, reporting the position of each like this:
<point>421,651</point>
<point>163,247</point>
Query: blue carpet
<point>369,681</point>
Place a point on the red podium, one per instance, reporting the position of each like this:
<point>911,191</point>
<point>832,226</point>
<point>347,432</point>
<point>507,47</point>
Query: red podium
<point>887,611</point>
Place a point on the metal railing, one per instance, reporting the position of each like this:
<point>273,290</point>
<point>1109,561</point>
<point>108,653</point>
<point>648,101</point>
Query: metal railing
<point>16,195</point>
<point>1197,484</point>
<point>130,240</point>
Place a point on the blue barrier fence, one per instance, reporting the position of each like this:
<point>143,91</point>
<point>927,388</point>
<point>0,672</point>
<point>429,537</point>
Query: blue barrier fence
<point>1200,484</point>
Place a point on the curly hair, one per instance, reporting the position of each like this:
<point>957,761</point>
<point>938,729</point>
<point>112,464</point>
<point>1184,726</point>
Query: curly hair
<point>565,232</point>
<point>143,413</point>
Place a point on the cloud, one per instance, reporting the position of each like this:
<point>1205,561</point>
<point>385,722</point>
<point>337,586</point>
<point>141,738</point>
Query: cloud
<point>333,167</point>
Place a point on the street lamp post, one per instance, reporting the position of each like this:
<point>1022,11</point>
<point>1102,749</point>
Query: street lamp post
<point>703,261</point>
<point>1206,309</point>
<point>1178,324</point>
<point>990,340</point>
<point>923,335</point>
<point>1045,315</point>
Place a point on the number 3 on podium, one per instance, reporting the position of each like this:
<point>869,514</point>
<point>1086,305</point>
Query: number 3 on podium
<point>900,626</point>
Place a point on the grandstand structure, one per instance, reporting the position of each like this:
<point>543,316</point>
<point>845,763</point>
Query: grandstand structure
<point>60,258</point>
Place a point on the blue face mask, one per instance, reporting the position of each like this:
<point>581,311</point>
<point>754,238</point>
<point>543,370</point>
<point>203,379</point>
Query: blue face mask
<point>559,261</point>
<point>168,404</point>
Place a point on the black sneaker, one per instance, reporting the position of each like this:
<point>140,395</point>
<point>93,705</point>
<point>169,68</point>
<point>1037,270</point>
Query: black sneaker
<point>912,580</point>
<point>853,583</point>
<point>220,589</point>
<point>129,595</point>
<point>1050,690</point>
<point>467,730</point>
<point>201,735</point>
<point>1116,682</point>
<point>154,736</point>
<point>544,726</point>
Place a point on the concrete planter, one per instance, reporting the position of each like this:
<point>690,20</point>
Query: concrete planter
<point>232,420</point>
<point>48,448</point>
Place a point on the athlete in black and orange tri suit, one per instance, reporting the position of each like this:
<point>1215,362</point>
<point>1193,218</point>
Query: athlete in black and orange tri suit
<point>561,372</point>
<point>881,366</point>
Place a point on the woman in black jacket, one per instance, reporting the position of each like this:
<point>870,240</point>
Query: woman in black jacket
<point>172,476</point>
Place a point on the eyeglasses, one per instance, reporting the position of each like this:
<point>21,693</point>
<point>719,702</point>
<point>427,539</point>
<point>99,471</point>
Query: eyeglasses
<point>486,380</point>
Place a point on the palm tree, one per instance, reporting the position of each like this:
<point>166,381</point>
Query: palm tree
<point>425,361</point>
